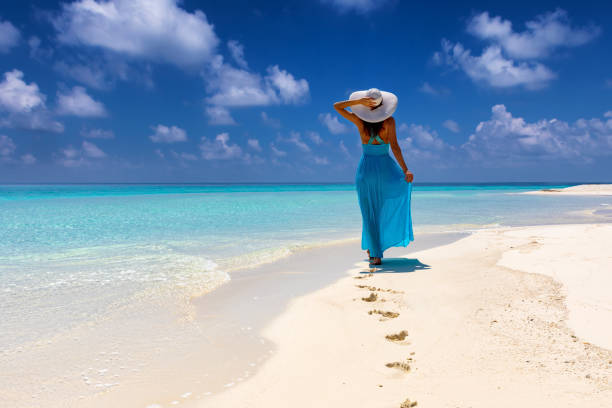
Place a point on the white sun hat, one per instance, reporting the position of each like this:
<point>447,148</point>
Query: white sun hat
<point>387,103</point>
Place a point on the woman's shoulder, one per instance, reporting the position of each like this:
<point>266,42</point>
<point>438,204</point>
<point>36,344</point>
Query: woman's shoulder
<point>388,123</point>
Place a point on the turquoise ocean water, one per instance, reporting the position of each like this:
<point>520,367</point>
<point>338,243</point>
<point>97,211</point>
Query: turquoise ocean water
<point>69,253</point>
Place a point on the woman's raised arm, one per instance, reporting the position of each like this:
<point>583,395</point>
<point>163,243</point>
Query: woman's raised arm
<point>341,108</point>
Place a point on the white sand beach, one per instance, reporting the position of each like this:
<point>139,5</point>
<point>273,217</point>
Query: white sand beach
<point>582,189</point>
<point>503,318</point>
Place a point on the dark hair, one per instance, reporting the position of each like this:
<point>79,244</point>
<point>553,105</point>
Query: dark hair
<point>372,127</point>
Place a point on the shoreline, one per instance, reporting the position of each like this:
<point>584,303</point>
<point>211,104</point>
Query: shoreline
<point>234,316</point>
<point>223,340</point>
<point>481,332</point>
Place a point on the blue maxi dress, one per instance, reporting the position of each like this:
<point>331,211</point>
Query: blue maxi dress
<point>384,199</point>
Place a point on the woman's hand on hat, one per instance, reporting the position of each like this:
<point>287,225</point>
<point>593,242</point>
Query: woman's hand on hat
<point>369,102</point>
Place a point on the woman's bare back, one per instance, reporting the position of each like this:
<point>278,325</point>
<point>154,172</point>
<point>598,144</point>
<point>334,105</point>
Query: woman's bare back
<point>383,133</point>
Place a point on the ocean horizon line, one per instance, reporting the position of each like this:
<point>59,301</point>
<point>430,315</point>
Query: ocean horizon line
<point>273,183</point>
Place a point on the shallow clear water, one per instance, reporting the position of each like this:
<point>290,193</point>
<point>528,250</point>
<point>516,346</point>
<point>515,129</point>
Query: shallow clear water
<point>70,253</point>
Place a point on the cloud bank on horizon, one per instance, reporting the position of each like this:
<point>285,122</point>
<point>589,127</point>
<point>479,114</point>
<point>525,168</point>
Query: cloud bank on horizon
<point>152,89</point>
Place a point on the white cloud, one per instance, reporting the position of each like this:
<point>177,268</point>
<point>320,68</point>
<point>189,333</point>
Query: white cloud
<point>165,134</point>
<point>229,86</point>
<point>431,90</point>
<point>296,139</point>
<point>254,144</point>
<point>160,153</point>
<point>97,134</point>
<point>101,70</point>
<point>360,6</point>
<point>91,150</point>
<point>163,31</point>
<point>218,115</point>
<point>277,152</point>
<point>150,29</point>
<point>232,87</point>
<point>272,122</point>
<point>28,158</point>
<point>314,137</point>
<point>451,125</point>
<point>426,88</point>
<point>423,145</point>
<point>511,58</point>
<point>219,148</point>
<point>422,137</point>
<point>332,123</point>
<point>90,74</point>
<point>492,68</point>
<point>237,52</point>
<point>37,120</point>
<point>70,152</point>
<point>17,96</point>
<point>7,146</point>
<point>9,36</point>
<point>72,157</point>
<point>25,105</point>
<point>505,139</point>
<point>34,44</point>
<point>321,160</point>
<point>343,149</point>
<point>77,102</point>
<point>290,90</point>
<point>508,141</point>
<point>608,114</point>
<point>184,156</point>
<point>36,51</point>
<point>542,36</point>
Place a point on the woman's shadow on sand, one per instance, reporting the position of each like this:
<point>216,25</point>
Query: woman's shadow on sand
<point>397,265</point>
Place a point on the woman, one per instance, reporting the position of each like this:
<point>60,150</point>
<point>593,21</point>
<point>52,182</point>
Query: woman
<point>383,188</point>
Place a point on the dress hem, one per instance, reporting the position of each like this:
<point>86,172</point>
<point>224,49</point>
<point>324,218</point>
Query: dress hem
<point>397,244</point>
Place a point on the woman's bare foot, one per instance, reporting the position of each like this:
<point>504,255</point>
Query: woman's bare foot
<point>375,261</point>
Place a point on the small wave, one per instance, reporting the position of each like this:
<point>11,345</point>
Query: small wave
<point>269,255</point>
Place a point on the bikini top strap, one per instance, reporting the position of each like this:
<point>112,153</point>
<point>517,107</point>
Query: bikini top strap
<point>376,137</point>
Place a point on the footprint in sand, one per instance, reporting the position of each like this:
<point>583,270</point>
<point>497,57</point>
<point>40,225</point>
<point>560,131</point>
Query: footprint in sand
<point>404,366</point>
<point>401,336</point>
<point>374,288</point>
<point>372,298</point>
<point>390,315</point>
<point>408,404</point>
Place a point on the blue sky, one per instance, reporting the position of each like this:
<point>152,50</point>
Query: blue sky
<point>242,91</point>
